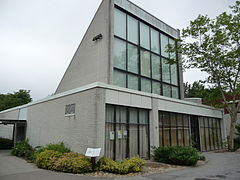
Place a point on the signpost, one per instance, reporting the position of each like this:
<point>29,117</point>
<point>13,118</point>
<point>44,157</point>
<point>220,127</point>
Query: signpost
<point>93,153</point>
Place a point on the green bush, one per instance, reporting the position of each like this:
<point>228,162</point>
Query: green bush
<point>124,167</point>
<point>47,158</point>
<point>21,148</point>
<point>107,165</point>
<point>178,155</point>
<point>73,163</point>
<point>60,147</point>
<point>6,143</point>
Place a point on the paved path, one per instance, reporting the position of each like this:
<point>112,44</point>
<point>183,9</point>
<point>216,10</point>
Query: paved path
<point>220,166</point>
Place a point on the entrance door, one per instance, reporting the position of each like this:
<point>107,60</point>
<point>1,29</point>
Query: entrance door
<point>195,132</point>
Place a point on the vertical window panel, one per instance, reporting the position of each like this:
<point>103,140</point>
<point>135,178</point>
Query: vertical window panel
<point>132,82</point>
<point>133,140</point>
<point>174,74</point>
<point>156,87</point>
<point>175,93</point>
<point>165,71</point>
<point>172,43</point>
<point>145,85</point>
<point>144,36</point>
<point>120,23</point>
<point>155,46</point>
<point>145,63</point>
<point>156,67</point>
<point>119,54</point>
<point>164,44</point>
<point>166,90</point>
<point>119,78</point>
<point>132,30</point>
<point>133,62</point>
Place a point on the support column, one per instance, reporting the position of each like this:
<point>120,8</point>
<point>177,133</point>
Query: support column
<point>100,120</point>
<point>153,123</point>
<point>15,133</point>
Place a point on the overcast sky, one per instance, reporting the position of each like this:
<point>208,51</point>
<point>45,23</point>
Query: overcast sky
<point>38,38</point>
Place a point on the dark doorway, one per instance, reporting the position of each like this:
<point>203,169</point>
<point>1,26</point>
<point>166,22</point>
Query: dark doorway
<point>195,138</point>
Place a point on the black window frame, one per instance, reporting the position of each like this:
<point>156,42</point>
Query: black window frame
<point>139,47</point>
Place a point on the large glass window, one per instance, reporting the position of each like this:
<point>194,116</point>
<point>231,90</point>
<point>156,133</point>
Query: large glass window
<point>165,71</point>
<point>155,45</point>
<point>156,67</point>
<point>133,59</point>
<point>172,43</point>
<point>175,93</point>
<point>174,74</point>
<point>210,133</point>
<point>156,87</point>
<point>119,54</point>
<point>139,53</point>
<point>144,36</point>
<point>132,30</point>
<point>119,78</point>
<point>120,23</point>
<point>132,82</point>
<point>126,132</point>
<point>146,85</point>
<point>145,63</point>
<point>166,90</point>
<point>164,44</point>
<point>173,129</point>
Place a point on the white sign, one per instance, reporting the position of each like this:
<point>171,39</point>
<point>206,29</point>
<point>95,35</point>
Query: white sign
<point>93,152</point>
<point>112,135</point>
<point>119,132</point>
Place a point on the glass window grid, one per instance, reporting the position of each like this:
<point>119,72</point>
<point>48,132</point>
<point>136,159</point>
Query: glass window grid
<point>216,138</point>
<point>128,123</point>
<point>139,56</point>
<point>179,127</point>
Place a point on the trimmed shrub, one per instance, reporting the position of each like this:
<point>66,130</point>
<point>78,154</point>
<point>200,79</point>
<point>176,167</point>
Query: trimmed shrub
<point>124,167</point>
<point>60,147</point>
<point>134,164</point>
<point>107,165</point>
<point>6,143</point>
<point>47,158</point>
<point>21,148</point>
<point>73,163</point>
<point>178,155</point>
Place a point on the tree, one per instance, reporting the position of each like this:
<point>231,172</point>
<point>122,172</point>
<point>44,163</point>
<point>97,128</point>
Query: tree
<point>213,46</point>
<point>210,95</point>
<point>16,99</point>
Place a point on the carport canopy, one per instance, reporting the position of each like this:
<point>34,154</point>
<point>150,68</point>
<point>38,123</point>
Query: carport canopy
<point>19,128</point>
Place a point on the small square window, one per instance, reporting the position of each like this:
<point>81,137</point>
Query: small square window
<point>70,109</point>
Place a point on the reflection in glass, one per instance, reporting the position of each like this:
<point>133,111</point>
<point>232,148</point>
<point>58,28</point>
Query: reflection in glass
<point>145,85</point>
<point>156,67</point>
<point>144,36</point>
<point>166,90</point>
<point>132,82</point>
<point>132,58</point>
<point>119,54</point>
<point>165,71</point>
<point>155,46</point>
<point>132,30</point>
<point>174,74</point>
<point>119,78</point>
<point>156,87</point>
<point>164,44</point>
<point>120,23</point>
<point>145,63</point>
